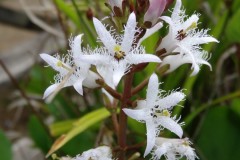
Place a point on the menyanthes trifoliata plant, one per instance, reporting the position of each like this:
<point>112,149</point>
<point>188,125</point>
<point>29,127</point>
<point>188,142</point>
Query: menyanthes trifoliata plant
<point>120,54</point>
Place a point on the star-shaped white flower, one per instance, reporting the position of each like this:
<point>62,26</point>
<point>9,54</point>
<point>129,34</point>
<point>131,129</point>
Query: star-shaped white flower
<point>184,38</point>
<point>173,149</point>
<point>155,112</point>
<point>120,51</point>
<point>70,73</point>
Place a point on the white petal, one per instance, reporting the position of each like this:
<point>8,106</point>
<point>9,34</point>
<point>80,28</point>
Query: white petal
<point>141,104</point>
<point>151,135</point>
<point>193,19</point>
<point>90,80</point>
<point>111,99</point>
<point>175,61</point>
<point>76,46</point>
<point>152,90</point>
<point>170,37</point>
<point>137,114</point>
<point>167,19</point>
<point>118,73</point>
<point>201,40</point>
<point>107,74</point>
<point>142,58</point>
<point>151,31</point>
<point>163,149</point>
<point>171,125</point>
<point>96,59</point>
<point>78,86</point>
<point>177,9</point>
<point>129,33</point>
<point>52,61</point>
<point>50,90</point>
<point>195,67</point>
<point>104,35</point>
<point>171,100</point>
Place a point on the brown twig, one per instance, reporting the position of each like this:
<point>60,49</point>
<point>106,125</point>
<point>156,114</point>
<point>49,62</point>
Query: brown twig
<point>110,90</point>
<point>24,95</point>
<point>140,86</point>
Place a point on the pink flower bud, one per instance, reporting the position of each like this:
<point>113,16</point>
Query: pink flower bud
<point>155,10</point>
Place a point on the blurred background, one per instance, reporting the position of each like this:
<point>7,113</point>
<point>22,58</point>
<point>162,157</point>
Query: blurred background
<point>29,126</point>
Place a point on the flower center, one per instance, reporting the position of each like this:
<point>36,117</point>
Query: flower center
<point>185,143</point>
<point>118,54</point>
<point>165,113</point>
<point>157,113</point>
<point>183,33</point>
<point>60,64</point>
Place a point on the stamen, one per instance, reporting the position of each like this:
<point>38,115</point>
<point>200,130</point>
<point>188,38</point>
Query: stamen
<point>192,26</point>
<point>183,33</point>
<point>60,64</point>
<point>166,113</point>
<point>118,55</point>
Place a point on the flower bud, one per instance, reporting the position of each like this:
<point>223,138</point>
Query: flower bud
<point>116,6</point>
<point>156,8</point>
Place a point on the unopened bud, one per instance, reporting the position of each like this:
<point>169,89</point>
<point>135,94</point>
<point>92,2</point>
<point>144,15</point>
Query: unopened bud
<point>89,14</point>
<point>116,6</point>
<point>155,10</point>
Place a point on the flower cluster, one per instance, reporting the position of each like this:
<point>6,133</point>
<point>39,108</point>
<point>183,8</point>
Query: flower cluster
<point>117,56</point>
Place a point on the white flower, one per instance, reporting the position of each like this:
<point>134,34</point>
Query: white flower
<point>99,153</point>
<point>173,149</point>
<point>184,38</point>
<point>119,52</point>
<point>70,72</point>
<point>155,112</point>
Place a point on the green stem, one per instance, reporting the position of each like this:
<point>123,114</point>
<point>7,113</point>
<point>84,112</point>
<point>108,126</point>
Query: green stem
<point>189,118</point>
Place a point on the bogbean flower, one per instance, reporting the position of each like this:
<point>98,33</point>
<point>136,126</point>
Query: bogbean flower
<point>155,111</point>
<point>99,153</point>
<point>119,52</point>
<point>185,39</point>
<point>70,72</point>
<point>173,149</point>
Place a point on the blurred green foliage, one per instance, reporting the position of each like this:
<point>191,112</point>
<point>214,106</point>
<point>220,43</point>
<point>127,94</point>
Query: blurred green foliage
<point>5,147</point>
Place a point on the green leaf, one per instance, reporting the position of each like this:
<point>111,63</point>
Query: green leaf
<point>70,12</point>
<point>5,147</point>
<point>218,138</point>
<point>232,29</point>
<point>236,5</point>
<point>79,126</point>
<point>39,134</point>
<point>59,128</point>
<point>235,106</point>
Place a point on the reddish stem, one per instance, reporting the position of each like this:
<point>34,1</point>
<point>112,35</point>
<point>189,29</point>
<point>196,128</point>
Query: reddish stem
<point>123,117</point>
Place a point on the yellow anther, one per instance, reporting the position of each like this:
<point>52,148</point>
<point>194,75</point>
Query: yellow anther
<point>118,53</point>
<point>60,64</point>
<point>192,26</point>
<point>117,48</point>
<point>186,143</point>
<point>166,113</point>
